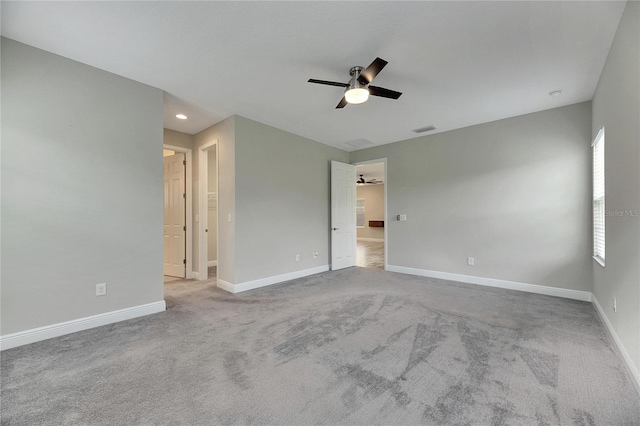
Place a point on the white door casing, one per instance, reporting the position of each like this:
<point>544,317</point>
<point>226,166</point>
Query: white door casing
<point>343,215</point>
<point>174,215</point>
<point>386,212</point>
<point>203,165</point>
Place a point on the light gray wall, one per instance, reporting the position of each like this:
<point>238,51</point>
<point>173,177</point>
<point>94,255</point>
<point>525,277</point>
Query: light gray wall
<point>224,133</point>
<point>616,105</point>
<point>175,138</point>
<point>282,201</point>
<point>212,209</point>
<point>373,196</point>
<point>81,190</point>
<point>514,194</point>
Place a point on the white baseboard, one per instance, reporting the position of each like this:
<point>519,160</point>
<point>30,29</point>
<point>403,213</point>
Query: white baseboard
<point>60,329</point>
<point>378,240</point>
<point>631,368</point>
<point>262,282</point>
<point>225,285</point>
<point>212,263</point>
<point>584,296</point>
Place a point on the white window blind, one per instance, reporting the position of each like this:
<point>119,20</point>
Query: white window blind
<point>598,197</point>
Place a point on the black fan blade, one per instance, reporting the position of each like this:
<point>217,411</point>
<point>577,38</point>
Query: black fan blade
<point>342,103</point>
<point>371,71</point>
<point>382,92</point>
<point>328,83</point>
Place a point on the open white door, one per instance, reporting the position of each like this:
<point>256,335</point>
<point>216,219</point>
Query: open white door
<point>343,215</point>
<point>174,215</point>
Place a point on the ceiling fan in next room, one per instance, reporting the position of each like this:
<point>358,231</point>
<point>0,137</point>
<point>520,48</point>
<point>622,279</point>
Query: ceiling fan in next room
<point>361,181</point>
<point>358,89</point>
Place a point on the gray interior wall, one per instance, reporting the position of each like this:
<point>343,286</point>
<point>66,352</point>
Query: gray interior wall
<point>224,133</point>
<point>373,196</point>
<point>212,209</point>
<point>175,138</point>
<point>81,190</point>
<point>616,105</point>
<point>514,194</point>
<point>282,201</point>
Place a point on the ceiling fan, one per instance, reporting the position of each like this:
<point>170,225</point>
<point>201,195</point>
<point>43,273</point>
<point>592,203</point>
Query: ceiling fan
<point>361,181</point>
<point>358,89</point>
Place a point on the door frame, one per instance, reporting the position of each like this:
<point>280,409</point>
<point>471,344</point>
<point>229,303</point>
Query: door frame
<point>386,212</point>
<point>188,202</point>
<point>203,168</point>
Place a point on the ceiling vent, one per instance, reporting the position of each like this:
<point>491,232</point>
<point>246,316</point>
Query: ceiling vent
<point>428,128</point>
<point>359,143</point>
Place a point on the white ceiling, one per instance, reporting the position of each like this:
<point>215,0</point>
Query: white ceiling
<point>457,63</point>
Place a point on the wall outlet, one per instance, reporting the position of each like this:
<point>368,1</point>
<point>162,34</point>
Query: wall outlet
<point>471,261</point>
<point>402,218</point>
<point>229,218</point>
<point>297,258</point>
<point>315,254</point>
<point>615,305</point>
<point>101,289</point>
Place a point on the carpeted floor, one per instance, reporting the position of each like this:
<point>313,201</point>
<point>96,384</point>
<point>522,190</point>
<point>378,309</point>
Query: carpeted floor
<point>351,347</point>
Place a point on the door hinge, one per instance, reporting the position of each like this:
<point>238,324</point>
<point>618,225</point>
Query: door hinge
<point>184,261</point>
<point>184,228</point>
<point>184,162</point>
<point>184,195</point>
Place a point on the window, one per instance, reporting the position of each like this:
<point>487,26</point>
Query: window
<point>360,212</point>
<point>598,197</point>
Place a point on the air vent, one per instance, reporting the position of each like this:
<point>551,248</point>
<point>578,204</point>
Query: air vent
<point>359,143</point>
<point>425,129</point>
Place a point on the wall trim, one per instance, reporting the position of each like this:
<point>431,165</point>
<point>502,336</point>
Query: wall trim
<point>631,368</point>
<point>584,296</point>
<point>203,241</point>
<point>378,240</point>
<point>225,285</point>
<point>60,329</point>
<point>195,275</point>
<point>262,282</point>
<point>212,263</point>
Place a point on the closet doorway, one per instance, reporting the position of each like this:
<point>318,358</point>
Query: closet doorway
<point>208,211</point>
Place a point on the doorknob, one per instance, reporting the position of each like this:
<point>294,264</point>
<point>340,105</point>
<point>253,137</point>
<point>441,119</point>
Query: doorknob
<point>335,229</point>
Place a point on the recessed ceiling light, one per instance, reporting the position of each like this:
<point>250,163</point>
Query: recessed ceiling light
<point>555,93</point>
<point>181,116</point>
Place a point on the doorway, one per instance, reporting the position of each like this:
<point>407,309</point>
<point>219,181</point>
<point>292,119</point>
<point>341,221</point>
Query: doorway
<point>208,211</point>
<point>177,237</point>
<point>371,214</point>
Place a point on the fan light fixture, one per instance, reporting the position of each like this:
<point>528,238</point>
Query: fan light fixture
<point>358,89</point>
<point>356,95</point>
<point>356,92</point>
